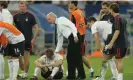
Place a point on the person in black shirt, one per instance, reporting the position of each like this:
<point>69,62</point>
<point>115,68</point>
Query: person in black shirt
<point>105,15</point>
<point>25,22</point>
<point>119,40</point>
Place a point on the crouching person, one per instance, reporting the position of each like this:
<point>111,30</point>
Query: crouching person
<point>50,66</point>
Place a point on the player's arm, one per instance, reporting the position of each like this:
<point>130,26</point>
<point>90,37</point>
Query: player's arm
<point>35,29</point>
<point>101,14</point>
<point>39,63</point>
<point>59,43</point>
<point>96,37</point>
<point>57,63</point>
<point>116,33</point>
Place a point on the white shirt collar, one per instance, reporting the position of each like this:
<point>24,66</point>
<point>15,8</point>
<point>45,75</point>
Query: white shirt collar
<point>56,21</point>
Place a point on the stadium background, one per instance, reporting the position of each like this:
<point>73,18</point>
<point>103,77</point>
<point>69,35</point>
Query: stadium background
<point>46,37</point>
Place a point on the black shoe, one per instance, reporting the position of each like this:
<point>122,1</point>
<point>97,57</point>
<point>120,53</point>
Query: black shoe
<point>91,74</point>
<point>34,78</point>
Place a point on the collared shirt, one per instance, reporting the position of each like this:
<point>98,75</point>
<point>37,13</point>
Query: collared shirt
<point>64,28</point>
<point>7,16</point>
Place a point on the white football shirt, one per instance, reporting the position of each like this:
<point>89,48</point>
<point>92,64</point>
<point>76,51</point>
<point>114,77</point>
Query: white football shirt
<point>47,61</point>
<point>104,28</point>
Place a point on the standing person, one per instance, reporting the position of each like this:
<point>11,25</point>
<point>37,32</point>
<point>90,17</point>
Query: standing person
<point>25,22</point>
<point>16,46</point>
<point>119,40</point>
<point>7,17</point>
<point>67,29</point>
<point>50,66</point>
<point>78,18</point>
<point>105,15</point>
<point>115,40</point>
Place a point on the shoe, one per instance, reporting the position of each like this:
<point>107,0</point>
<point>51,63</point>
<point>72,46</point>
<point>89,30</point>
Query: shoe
<point>8,79</point>
<point>22,76</point>
<point>98,78</point>
<point>34,78</point>
<point>14,79</point>
<point>91,74</point>
<point>113,78</point>
<point>50,78</point>
<point>80,78</point>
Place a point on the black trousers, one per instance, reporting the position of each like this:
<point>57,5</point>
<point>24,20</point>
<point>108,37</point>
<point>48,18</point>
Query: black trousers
<point>74,59</point>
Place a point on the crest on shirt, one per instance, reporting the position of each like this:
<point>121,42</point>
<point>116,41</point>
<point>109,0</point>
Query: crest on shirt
<point>26,19</point>
<point>17,19</point>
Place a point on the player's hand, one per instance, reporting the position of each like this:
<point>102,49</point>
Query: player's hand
<point>5,45</point>
<point>76,39</point>
<point>33,42</point>
<point>109,46</point>
<point>48,65</point>
<point>101,12</point>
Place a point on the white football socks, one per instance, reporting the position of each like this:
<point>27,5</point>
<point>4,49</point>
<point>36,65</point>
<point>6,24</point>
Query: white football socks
<point>91,70</point>
<point>120,76</point>
<point>1,66</point>
<point>54,71</point>
<point>37,71</point>
<point>113,67</point>
<point>15,68</point>
<point>10,65</point>
<point>104,69</point>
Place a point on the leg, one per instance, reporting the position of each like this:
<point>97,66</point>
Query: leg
<point>15,67</point>
<point>70,62</point>
<point>81,72</point>
<point>113,68</point>
<point>121,52</point>
<point>26,60</point>
<point>104,66</point>
<point>1,66</point>
<point>119,63</point>
<point>71,69</point>
<point>21,63</point>
<point>59,75</point>
<point>10,65</point>
<point>86,62</point>
<point>39,71</point>
<point>79,62</point>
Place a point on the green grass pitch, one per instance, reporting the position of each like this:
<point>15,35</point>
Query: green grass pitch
<point>95,62</point>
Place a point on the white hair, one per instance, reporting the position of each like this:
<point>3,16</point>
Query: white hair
<point>52,14</point>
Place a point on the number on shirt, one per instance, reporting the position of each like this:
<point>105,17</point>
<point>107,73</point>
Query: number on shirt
<point>16,50</point>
